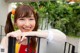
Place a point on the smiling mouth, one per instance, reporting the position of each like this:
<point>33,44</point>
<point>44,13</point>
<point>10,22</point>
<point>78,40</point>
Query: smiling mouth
<point>26,28</point>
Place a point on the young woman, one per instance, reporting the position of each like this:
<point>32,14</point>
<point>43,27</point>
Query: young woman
<point>26,19</point>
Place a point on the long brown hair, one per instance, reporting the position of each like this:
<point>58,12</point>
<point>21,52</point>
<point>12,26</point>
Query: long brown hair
<point>9,25</point>
<point>23,11</point>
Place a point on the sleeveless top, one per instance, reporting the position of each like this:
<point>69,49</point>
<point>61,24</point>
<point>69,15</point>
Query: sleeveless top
<point>19,48</point>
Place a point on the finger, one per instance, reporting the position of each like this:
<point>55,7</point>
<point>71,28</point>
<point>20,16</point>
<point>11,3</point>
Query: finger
<point>18,37</point>
<point>23,37</point>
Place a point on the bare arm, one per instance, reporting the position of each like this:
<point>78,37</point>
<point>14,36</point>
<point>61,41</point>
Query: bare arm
<point>52,34</point>
<point>43,33</point>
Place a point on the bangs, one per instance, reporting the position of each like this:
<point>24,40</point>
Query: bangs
<point>24,13</point>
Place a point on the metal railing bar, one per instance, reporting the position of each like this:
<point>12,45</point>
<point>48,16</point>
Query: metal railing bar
<point>65,47</point>
<point>69,48</point>
<point>38,44</point>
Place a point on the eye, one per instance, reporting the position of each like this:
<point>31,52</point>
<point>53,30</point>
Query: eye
<point>21,19</point>
<point>31,19</point>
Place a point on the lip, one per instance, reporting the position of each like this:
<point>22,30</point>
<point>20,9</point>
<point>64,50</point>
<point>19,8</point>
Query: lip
<point>25,29</point>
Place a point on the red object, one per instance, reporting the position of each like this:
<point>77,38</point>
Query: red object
<point>24,49</point>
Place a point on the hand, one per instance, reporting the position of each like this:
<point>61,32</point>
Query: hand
<point>17,34</point>
<point>24,34</point>
<point>14,33</point>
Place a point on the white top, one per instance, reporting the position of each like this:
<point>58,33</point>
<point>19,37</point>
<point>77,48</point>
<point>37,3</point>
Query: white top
<point>54,43</point>
<point>55,35</point>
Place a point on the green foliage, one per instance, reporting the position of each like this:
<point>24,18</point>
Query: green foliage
<point>65,17</point>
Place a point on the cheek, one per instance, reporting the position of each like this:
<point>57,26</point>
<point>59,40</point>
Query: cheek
<point>33,23</point>
<point>19,24</point>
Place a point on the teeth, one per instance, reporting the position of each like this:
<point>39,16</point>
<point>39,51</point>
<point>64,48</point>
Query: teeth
<point>26,28</point>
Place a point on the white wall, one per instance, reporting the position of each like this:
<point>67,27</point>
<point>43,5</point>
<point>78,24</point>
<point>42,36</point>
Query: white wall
<point>3,11</point>
<point>3,15</point>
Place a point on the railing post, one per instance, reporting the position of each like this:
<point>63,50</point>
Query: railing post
<point>11,45</point>
<point>38,44</point>
<point>65,47</point>
<point>1,30</point>
<point>73,49</point>
<point>69,48</point>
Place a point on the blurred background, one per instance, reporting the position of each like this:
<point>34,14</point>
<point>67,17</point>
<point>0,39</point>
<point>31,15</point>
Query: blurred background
<point>60,14</point>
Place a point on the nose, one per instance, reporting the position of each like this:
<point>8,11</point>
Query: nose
<point>27,23</point>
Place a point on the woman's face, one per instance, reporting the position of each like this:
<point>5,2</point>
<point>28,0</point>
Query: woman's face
<point>26,24</point>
